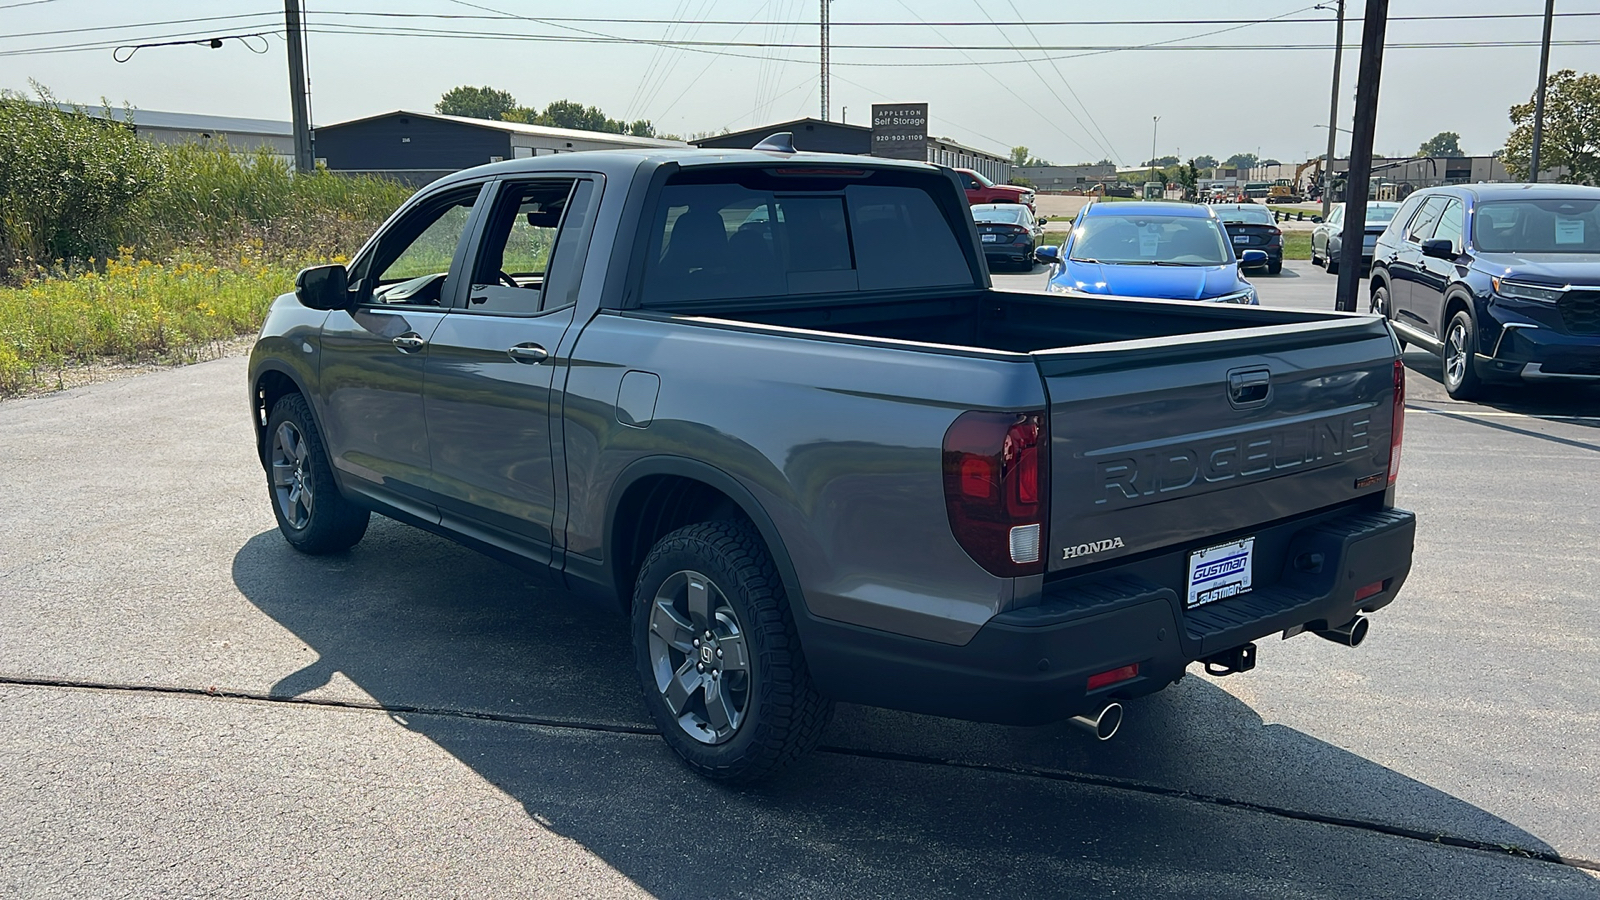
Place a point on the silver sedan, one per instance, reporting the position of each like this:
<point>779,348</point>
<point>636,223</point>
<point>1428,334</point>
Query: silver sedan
<point>1327,236</point>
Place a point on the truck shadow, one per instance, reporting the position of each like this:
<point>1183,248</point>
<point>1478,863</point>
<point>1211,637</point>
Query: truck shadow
<point>467,652</point>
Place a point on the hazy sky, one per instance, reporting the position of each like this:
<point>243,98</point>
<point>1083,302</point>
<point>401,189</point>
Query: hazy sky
<point>1209,101</point>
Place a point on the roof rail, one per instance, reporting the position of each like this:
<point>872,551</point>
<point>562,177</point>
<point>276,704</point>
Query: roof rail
<point>782,142</point>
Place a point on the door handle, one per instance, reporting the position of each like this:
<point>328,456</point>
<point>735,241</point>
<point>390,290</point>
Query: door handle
<point>1249,387</point>
<point>529,353</point>
<point>410,342</point>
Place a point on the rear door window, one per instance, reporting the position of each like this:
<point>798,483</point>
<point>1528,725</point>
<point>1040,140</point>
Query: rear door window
<point>1451,223</point>
<point>1421,227</point>
<point>527,261</point>
<point>771,237</point>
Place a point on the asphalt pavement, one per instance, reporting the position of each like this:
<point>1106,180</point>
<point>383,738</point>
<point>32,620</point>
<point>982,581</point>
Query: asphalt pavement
<point>190,708</point>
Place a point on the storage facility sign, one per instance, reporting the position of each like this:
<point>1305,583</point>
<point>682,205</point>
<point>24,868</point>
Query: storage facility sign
<point>900,130</point>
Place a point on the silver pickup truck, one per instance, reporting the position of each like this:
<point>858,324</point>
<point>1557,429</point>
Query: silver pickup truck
<point>768,405</point>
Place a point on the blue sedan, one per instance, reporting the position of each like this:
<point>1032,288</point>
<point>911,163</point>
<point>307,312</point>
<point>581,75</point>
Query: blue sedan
<point>1172,251</point>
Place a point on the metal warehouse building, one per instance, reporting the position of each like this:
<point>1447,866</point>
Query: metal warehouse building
<point>419,147</point>
<point>817,136</point>
<point>241,135</point>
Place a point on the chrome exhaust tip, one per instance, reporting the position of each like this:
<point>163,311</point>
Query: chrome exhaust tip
<point>1350,634</point>
<point>1103,724</point>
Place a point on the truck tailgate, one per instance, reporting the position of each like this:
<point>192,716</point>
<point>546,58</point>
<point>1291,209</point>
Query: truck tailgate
<point>1193,440</point>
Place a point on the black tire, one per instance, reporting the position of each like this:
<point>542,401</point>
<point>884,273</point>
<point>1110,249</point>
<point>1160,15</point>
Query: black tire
<point>1315,260</point>
<point>1378,304</point>
<point>1378,299</point>
<point>1275,267</point>
<point>779,714</point>
<point>1332,267</point>
<point>318,520</point>
<point>1460,337</point>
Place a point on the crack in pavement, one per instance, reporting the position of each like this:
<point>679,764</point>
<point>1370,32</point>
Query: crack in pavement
<point>1058,775</point>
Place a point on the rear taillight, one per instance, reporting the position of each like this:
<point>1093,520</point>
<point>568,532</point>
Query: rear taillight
<point>996,481</point>
<point>1397,427</point>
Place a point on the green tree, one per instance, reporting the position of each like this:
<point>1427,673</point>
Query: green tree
<point>1571,129</point>
<point>570,114</point>
<point>1240,161</point>
<point>1445,143</point>
<point>475,102</point>
<point>1162,161</point>
<point>1189,177</point>
<point>1205,161</point>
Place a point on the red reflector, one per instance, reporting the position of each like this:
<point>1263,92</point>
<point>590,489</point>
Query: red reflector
<point>1363,593</point>
<point>1113,676</point>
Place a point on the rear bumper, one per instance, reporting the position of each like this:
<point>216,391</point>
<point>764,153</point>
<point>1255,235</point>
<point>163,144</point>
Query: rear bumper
<point>1031,666</point>
<point>1020,254</point>
<point>1274,254</point>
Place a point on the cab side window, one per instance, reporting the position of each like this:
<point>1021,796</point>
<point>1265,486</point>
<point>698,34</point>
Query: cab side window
<point>530,258</point>
<point>411,262</point>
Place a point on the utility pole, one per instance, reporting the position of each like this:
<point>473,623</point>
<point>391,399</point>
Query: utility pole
<point>1373,25</point>
<point>303,160</point>
<point>1333,115</point>
<point>825,60</point>
<point>1538,98</point>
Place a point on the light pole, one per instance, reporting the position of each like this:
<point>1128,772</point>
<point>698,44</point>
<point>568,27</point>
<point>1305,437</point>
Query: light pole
<point>1154,120</point>
<point>1333,114</point>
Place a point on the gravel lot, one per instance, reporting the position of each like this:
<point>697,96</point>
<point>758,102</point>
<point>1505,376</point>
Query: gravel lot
<point>189,708</point>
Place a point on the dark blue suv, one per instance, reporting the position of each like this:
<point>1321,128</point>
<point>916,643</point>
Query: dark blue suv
<point>1502,280</point>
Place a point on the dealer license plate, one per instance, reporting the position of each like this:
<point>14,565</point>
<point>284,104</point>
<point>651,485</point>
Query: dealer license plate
<point>990,238</point>
<point>1241,239</point>
<point>1217,573</point>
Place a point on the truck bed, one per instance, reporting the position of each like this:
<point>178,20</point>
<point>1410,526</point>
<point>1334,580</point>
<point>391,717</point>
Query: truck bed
<point>1170,422</point>
<point>1010,322</point>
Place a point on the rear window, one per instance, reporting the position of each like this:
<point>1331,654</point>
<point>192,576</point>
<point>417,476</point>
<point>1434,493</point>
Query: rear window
<point>1005,214</point>
<point>767,237</point>
<point>1248,215</point>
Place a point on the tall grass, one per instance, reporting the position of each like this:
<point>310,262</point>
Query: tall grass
<point>114,247</point>
<point>132,310</point>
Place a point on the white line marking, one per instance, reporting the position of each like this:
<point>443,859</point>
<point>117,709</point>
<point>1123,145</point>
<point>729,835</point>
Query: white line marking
<point>1476,414</point>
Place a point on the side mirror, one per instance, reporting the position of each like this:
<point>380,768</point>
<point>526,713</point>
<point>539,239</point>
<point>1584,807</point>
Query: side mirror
<point>1042,219</point>
<point>1253,258</point>
<point>1440,249</point>
<point>1317,219</point>
<point>323,287</point>
<point>1047,255</point>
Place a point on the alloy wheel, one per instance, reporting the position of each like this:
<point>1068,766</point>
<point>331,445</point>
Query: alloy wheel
<point>699,656</point>
<point>1455,354</point>
<point>291,475</point>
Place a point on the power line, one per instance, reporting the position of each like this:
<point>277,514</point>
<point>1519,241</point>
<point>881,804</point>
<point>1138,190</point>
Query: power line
<point>1067,83</point>
<point>1051,88</point>
<point>1076,51</point>
<point>603,20</point>
<point>55,31</point>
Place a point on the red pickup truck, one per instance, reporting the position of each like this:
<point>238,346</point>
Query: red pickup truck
<point>982,190</point>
